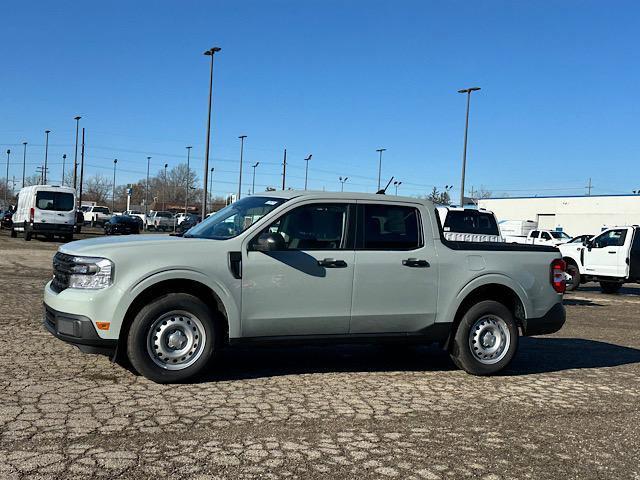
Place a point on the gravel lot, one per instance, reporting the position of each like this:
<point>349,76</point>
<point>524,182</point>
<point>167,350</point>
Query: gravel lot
<point>569,407</point>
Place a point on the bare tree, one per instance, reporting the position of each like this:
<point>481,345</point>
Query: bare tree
<point>97,188</point>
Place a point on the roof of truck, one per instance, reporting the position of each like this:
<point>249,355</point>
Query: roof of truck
<point>288,194</point>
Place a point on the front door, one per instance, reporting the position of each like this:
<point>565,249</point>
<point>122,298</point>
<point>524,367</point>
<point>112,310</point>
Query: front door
<point>395,282</point>
<point>606,252</point>
<point>306,288</point>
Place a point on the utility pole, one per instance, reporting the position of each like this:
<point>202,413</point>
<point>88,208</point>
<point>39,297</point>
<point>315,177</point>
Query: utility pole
<point>306,170</point>
<point>164,190</point>
<point>6,187</point>
<point>211,52</point>
<point>64,159</point>
<point>284,170</point>
<point>81,168</point>
<point>253,182</point>
<point>46,154</point>
<point>466,131</point>
<point>241,137</point>
<point>589,187</point>
<point>380,150</point>
<point>186,188</point>
<point>113,188</point>
<point>211,187</point>
<point>146,192</point>
<point>75,157</point>
<point>24,161</point>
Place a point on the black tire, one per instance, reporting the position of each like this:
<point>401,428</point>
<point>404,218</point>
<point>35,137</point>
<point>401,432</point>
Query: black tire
<point>138,349</point>
<point>78,229</point>
<point>93,223</point>
<point>27,233</point>
<point>68,237</point>
<point>610,287</point>
<point>13,233</point>
<point>573,270</point>
<point>496,318</point>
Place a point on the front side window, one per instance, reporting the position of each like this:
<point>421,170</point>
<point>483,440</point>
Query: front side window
<point>313,227</point>
<point>55,201</point>
<point>546,236</point>
<point>234,219</point>
<point>391,227</point>
<point>612,238</point>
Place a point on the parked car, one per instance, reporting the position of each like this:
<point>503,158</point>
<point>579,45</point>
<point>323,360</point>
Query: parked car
<point>297,265</point>
<point>611,258</point>
<point>122,224</point>
<point>181,217</point>
<point>137,219</point>
<point>137,214</point>
<point>188,222</point>
<point>469,225</point>
<point>6,219</point>
<point>96,215</point>
<point>45,210</point>
<point>160,221</point>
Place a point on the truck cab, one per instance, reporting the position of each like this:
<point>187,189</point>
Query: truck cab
<point>611,258</point>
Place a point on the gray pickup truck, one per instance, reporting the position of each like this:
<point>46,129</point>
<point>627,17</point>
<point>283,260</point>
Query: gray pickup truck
<point>304,266</point>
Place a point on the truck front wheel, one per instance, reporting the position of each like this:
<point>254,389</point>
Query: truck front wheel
<point>172,338</point>
<point>610,287</point>
<point>575,277</point>
<point>486,339</point>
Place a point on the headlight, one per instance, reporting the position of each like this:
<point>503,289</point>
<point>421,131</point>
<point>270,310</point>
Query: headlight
<point>91,273</point>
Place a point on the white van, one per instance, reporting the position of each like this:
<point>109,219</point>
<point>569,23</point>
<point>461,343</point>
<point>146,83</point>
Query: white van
<point>45,210</point>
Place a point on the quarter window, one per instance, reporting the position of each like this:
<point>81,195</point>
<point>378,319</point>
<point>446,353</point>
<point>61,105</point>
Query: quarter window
<point>391,227</point>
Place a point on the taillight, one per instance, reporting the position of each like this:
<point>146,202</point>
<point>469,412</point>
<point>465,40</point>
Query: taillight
<point>558,279</point>
<point>32,214</point>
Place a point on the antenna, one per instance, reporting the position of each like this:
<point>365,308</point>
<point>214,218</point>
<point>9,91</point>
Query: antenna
<point>382,191</point>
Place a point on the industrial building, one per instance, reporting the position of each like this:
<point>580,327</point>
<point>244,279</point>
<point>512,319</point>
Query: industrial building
<point>575,215</point>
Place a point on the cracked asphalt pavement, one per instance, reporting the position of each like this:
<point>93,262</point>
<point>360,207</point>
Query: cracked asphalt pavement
<point>568,407</point>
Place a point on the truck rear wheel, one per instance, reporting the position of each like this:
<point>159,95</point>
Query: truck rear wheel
<point>610,287</point>
<point>27,233</point>
<point>172,338</point>
<point>575,277</point>
<point>486,339</point>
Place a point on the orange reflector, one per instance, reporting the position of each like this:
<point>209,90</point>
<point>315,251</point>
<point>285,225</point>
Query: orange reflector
<point>103,325</point>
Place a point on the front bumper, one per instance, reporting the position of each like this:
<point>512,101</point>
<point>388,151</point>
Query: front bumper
<point>551,322</point>
<point>77,330</point>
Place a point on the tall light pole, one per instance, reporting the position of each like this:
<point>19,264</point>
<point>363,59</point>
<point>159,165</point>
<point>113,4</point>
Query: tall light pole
<point>164,189</point>
<point>186,188</point>
<point>6,187</point>
<point>211,187</point>
<point>113,188</point>
<point>380,150</point>
<point>146,192</point>
<point>211,52</point>
<point>64,160</point>
<point>46,154</point>
<point>306,170</point>
<point>466,131</point>
<point>253,182</point>
<point>342,180</point>
<point>397,184</point>
<point>24,161</point>
<point>75,157</point>
<point>241,137</point>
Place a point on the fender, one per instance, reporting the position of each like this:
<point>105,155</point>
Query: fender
<point>231,303</point>
<point>480,281</point>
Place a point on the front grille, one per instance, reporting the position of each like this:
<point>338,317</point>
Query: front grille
<point>62,264</point>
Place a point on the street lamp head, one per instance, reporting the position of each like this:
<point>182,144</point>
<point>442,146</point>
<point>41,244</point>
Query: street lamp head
<point>47,131</point>
<point>242,137</point>
<point>115,161</point>
<point>77,118</point>
<point>213,50</point>
<point>212,169</point>
<point>8,151</point>
<point>308,158</point>
<point>257,163</point>
<point>64,156</point>
<point>166,165</point>
<point>469,90</point>
<point>24,143</point>
<point>381,150</point>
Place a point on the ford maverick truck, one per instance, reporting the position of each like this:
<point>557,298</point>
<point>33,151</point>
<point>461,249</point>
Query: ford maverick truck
<point>302,266</point>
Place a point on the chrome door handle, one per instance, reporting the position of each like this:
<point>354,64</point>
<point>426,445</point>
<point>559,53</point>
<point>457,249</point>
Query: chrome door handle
<point>332,263</point>
<point>414,262</point>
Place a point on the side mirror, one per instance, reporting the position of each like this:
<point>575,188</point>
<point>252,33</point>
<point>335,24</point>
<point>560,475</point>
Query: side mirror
<point>270,242</point>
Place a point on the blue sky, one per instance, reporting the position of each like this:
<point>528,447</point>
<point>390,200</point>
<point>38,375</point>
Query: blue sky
<point>336,79</point>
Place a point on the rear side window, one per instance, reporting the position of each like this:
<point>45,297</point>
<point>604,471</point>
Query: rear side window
<point>391,227</point>
<point>470,221</point>
<point>534,234</point>
<point>55,201</point>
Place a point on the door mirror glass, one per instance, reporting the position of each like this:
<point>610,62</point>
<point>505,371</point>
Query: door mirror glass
<point>270,242</point>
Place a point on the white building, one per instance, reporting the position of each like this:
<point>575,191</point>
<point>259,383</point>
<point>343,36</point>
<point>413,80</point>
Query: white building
<point>575,215</point>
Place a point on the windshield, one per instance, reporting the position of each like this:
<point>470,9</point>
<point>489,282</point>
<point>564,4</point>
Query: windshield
<point>234,219</point>
<point>56,201</point>
<point>560,235</point>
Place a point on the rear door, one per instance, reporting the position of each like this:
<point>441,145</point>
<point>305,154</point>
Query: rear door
<point>606,256</point>
<point>54,207</point>
<point>395,280</point>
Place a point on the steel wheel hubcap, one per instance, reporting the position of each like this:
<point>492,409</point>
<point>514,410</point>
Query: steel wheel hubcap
<point>176,340</point>
<point>489,339</point>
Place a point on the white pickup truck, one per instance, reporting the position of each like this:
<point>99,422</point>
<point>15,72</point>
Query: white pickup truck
<point>302,266</point>
<point>96,215</point>
<point>540,237</point>
<point>611,258</point>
